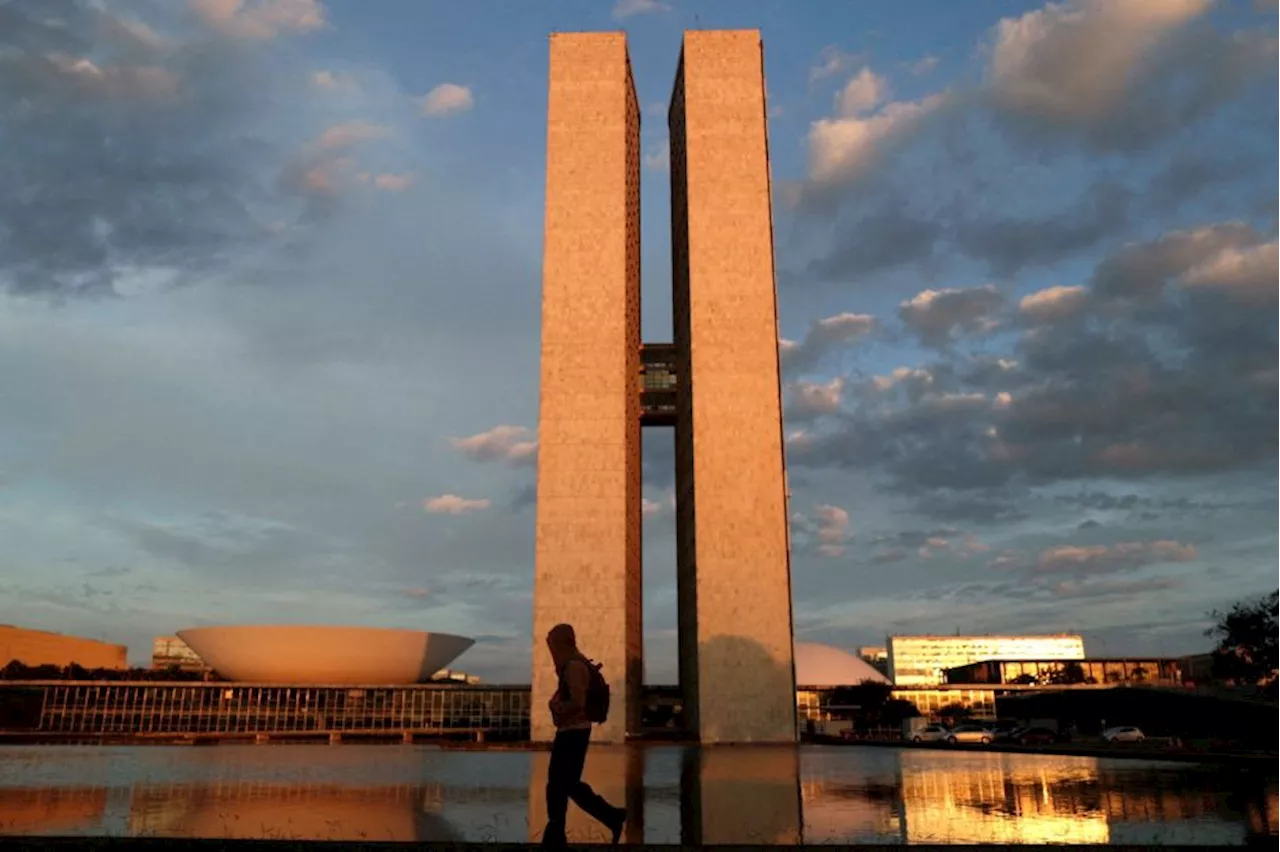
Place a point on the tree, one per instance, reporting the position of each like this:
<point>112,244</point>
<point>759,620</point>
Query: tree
<point>1025,679</point>
<point>868,698</point>
<point>954,712</point>
<point>1246,634</point>
<point>870,704</point>
<point>1070,673</point>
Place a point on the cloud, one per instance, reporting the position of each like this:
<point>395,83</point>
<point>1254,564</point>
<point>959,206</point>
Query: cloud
<point>826,530</point>
<point>658,156</point>
<point>1141,271</point>
<point>394,182</point>
<point>808,400</point>
<point>1142,589</point>
<point>1246,273</point>
<point>332,81</point>
<point>1161,365</point>
<point>924,65</point>
<point>144,82</point>
<point>452,504</point>
<point>1122,75</point>
<point>350,133</point>
<point>887,237</point>
<point>825,337</point>
<point>447,99</point>
<point>831,61</point>
<point>630,8</point>
<point>260,19</point>
<point>153,123</point>
<point>1009,244</point>
<point>512,445</point>
<point>843,149</point>
<point>1054,304</point>
<point>864,91</point>
<point>939,317</point>
<point>326,168</point>
<point>1105,559</point>
<point>1074,61</point>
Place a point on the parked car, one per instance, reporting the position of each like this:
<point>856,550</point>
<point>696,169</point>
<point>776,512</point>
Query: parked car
<point>1001,727</point>
<point>971,734</point>
<point>930,734</point>
<point>1035,736</point>
<point>1124,734</point>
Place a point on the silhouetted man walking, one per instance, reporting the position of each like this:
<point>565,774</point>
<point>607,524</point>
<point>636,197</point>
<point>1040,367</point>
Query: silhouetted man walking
<point>572,709</point>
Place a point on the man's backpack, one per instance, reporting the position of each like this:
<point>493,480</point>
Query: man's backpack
<point>597,709</point>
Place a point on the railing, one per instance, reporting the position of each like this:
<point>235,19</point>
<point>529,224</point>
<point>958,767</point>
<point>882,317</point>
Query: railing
<point>104,708</point>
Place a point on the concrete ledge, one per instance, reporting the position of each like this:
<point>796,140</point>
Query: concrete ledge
<point>163,844</point>
<point>1123,751</point>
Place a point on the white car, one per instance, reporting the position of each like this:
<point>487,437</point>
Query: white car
<point>971,734</point>
<point>930,734</point>
<point>1126,734</point>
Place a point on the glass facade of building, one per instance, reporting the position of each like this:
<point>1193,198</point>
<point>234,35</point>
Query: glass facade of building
<point>1128,670</point>
<point>104,708</point>
<point>922,660</point>
<point>814,704</point>
<point>659,384</point>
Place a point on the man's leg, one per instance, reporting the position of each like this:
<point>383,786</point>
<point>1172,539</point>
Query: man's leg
<point>586,798</point>
<point>561,776</point>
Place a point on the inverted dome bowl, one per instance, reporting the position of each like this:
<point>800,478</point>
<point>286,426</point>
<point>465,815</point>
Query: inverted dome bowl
<point>324,655</point>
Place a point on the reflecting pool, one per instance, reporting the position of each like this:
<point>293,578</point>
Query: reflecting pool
<point>782,795</point>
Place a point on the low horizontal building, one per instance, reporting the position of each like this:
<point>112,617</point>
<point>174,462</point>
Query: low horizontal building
<point>921,660</point>
<point>43,648</point>
<point>1090,671</point>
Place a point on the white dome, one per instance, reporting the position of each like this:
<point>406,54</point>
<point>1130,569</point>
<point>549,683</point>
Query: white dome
<point>823,665</point>
<point>365,656</point>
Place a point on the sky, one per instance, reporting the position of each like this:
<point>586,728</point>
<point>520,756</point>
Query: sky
<point>269,293</point>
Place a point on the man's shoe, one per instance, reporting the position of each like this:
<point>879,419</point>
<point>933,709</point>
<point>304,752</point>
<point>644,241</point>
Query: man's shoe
<point>617,824</point>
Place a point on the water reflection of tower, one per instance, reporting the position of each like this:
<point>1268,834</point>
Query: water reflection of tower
<point>55,810</point>
<point>253,810</point>
<point>741,796</point>
<point>727,795</point>
<point>615,772</point>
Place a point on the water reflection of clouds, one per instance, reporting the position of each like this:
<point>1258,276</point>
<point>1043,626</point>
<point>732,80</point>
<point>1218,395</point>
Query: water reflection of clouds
<point>716,795</point>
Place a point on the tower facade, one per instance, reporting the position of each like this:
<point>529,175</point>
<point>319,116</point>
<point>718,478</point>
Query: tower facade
<point>717,384</point>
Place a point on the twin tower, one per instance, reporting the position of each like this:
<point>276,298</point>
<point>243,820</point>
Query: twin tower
<point>717,384</point>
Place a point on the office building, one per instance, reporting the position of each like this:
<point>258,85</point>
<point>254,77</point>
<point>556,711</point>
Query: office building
<point>922,660</point>
<point>716,382</point>
<point>1071,672</point>
<point>170,652</point>
<point>42,648</point>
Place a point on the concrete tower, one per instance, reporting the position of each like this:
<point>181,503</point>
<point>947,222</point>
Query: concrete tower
<point>717,384</point>
<point>587,560</point>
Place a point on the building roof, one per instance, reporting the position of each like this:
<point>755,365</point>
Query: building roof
<point>324,655</point>
<point>824,665</point>
<point>1057,661</point>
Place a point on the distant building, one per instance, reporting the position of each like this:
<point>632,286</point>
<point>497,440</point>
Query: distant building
<point>1198,668</point>
<point>452,676</point>
<point>823,666</point>
<point>171,652</point>
<point>42,648</point>
<point>922,660</point>
<point>1105,671</point>
<point>877,656</point>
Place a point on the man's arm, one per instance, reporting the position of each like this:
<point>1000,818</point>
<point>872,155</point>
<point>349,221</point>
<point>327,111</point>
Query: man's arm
<point>578,679</point>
